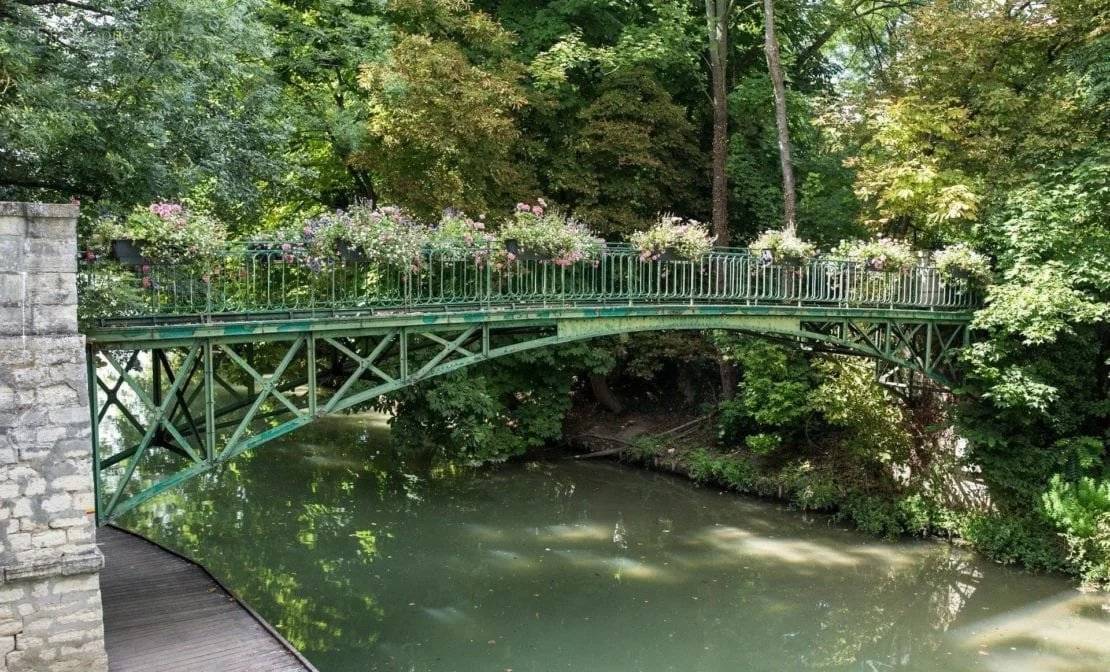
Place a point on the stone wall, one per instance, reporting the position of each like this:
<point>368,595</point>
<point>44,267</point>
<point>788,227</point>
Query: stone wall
<point>50,613</point>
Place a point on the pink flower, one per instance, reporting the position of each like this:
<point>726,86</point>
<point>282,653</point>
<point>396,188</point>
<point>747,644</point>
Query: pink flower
<point>522,207</point>
<point>285,247</point>
<point>165,210</point>
<point>537,210</point>
<point>512,257</point>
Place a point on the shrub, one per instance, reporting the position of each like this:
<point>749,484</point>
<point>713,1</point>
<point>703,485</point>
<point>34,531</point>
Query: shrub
<point>1081,511</point>
<point>763,444</point>
<point>1025,540</point>
<point>165,232</point>
<point>701,465</point>
<point>685,238</point>
<point>785,247</point>
<point>881,254</point>
<point>959,261</point>
<point>872,514</point>
<point>550,234</point>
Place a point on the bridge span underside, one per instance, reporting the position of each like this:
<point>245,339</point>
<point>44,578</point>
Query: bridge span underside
<point>171,401</point>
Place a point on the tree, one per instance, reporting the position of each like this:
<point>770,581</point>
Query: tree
<point>717,13</point>
<point>774,67</point>
<point>992,129</point>
<point>319,47</point>
<point>633,155</point>
<point>129,100</point>
<point>442,112</point>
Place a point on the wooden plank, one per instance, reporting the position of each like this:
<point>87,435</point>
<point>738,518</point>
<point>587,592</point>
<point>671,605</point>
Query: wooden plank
<point>162,612</point>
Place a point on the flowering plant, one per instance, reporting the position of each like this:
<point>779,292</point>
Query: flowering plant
<point>384,235</point>
<point>784,247</point>
<point>458,236</point>
<point>960,261</point>
<point>882,254</point>
<point>164,231</point>
<point>550,235</point>
<point>685,238</point>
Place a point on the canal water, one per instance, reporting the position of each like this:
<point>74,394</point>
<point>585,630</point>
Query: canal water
<point>365,562</point>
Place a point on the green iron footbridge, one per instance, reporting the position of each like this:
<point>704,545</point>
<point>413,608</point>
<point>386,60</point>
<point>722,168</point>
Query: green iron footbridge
<point>193,363</point>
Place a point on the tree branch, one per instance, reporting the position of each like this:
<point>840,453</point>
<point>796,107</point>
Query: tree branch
<point>68,3</point>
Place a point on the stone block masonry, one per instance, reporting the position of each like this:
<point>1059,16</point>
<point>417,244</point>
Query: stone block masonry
<point>50,613</point>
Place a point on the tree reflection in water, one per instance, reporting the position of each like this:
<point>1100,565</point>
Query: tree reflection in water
<point>365,562</point>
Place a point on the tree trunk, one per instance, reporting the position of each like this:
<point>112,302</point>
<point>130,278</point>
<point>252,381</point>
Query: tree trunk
<point>729,378</point>
<point>716,16</point>
<point>599,385</point>
<point>778,83</point>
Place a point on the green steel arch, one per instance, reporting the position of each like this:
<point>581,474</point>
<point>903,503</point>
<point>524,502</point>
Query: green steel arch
<point>248,348</point>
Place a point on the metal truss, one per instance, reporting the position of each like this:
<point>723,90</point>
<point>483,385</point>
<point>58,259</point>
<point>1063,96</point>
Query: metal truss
<point>207,393</point>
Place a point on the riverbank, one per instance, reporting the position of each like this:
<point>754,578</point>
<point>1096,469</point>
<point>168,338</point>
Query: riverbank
<point>685,444</point>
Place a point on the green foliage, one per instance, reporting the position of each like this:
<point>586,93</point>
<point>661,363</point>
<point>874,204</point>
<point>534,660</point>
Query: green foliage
<point>763,444</point>
<point>1014,539</point>
<point>686,238</point>
<point>632,155</point>
<point>318,48</point>
<point>1081,511</point>
<point>774,392</point>
<point>129,101</point>
<point>489,414</point>
<point>441,121</point>
<point>849,397</point>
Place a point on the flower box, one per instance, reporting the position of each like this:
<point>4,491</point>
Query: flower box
<point>512,246</point>
<point>672,238</point>
<point>349,253</point>
<point>667,255</point>
<point>128,251</point>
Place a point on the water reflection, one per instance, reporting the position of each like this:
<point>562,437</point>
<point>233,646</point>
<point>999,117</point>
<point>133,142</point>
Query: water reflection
<point>368,563</point>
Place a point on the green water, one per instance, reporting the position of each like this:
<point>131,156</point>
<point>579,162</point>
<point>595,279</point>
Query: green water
<point>365,563</point>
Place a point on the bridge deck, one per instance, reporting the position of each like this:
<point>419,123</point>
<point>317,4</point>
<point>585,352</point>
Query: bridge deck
<point>162,612</point>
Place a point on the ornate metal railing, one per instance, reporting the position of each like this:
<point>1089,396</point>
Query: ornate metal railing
<point>263,281</point>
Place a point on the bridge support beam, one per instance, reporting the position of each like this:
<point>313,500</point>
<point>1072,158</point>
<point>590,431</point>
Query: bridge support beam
<point>50,611</point>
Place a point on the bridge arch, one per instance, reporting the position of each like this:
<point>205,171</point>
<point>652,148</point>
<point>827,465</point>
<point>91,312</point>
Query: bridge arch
<point>186,405</point>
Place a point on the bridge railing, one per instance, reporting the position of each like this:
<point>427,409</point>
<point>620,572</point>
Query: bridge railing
<point>268,281</point>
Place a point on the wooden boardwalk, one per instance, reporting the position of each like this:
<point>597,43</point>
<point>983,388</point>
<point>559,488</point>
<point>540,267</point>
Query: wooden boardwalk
<point>163,613</point>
